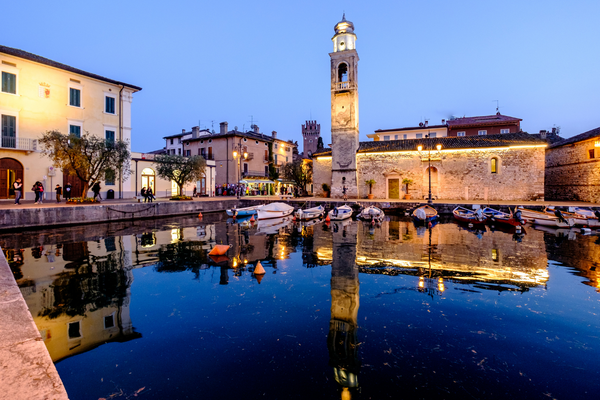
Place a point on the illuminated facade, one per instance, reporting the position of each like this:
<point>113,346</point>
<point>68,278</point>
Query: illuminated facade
<point>39,95</point>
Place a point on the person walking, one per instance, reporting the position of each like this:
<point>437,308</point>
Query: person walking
<point>58,192</point>
<point>68,191</point>
<point>96,189</point>
<point>38,188</point>
<point>18,187</point>
<point>150,194</point>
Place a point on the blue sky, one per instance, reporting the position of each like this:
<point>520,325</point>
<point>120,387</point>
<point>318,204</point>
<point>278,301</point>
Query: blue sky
<point>204,62</point>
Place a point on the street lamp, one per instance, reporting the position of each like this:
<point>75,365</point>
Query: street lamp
<point>238,152</point>
<point>420,149</point>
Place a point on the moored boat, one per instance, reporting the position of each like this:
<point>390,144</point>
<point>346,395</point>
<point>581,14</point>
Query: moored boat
<point>242,212</point>
<point>545,219</point>
<point>372,213</point>
<point>425,214</point>
<point>593,216</point>
<point>579,219</point>
<point>272,226</point>
<point>465,215</point>
<point>274,210</point>
<point>310,213</point>
<point>340,213</point>
<point>496,216</point>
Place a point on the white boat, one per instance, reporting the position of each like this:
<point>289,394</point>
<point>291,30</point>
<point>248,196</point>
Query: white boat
<point>310,213</point>
<point>580,220</point>
<point>242,212</point>
<point>372,213</point>
<point>545,219</point>
<point>340,213</point>
<point>591,215</point>
<point>274,210</point>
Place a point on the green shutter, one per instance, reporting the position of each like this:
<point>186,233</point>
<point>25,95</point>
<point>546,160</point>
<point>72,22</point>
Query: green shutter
<point>74,97</point>
<point>110,136</point>
<point>9,83</point>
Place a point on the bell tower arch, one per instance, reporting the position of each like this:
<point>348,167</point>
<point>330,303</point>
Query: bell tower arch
<point>344,110</point>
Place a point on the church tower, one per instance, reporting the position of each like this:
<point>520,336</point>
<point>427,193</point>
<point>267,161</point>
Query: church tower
<point>311,132</point>
<point>344,110</point>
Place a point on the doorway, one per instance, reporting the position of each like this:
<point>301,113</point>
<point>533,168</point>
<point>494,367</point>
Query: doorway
<point>393,188</point>
<point>76,183</point>
<point>148,177</point>
<point>10,171</point>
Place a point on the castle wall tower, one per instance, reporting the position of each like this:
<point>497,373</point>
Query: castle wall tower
<point>311,131</point>
<point>344,110</point>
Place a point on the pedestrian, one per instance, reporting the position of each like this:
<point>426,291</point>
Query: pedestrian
<point>195,192</point>
<point>344,190</point>
<point>68,191</point>
<point>58,192</point>
<point>150,194</point>
<point>38,188</point>
<point>96,189</point>
<point>18,187</point>
<point>143,193</point>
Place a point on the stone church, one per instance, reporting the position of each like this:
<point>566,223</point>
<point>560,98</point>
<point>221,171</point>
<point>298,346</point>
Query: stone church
<point>507,166</point>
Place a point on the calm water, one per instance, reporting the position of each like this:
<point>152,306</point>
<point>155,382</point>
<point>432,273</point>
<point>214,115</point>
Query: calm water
<point>343,311</point>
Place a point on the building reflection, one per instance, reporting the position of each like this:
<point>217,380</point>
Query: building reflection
<point>342,340</point>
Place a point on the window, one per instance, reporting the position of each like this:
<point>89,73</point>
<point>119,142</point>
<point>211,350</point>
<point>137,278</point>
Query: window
<point>188,153</point>
<point>245,140</point>
<point>396,137</point>
<point>202,152</point>
<point>494,165</point>
<point>266,170</point>
<point>75,130</point>
<point>109,321</point>
<point>275,158</point>
<point>433,134</point>
<point>386,138</point>
<point>9,83</point>
<point>405,136</point>
<point>9,131</point>
<point>591,153</point>
<point>482,132</point>
<point>256,141</point>
<point>310,141</point>
<point>275,146</point>
<point>109,178</point>
<point>266,155</point>
<point>109,105</point>
<point>460,133</point>
<point>74,97</point>
<point>504,130</point>
<point>110,136</point>
<point>178,152</point>
<point>171,141</point>
<point>266,144</point>
<point>245,168</point>
<point>74,330</point>
<point>287,159</point>
<point>179,140</point>
<point>343,72</point>
<point>419,136</point>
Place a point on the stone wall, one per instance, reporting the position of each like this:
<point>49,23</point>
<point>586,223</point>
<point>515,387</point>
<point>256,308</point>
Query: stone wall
<point>461,174</point>
<point>321,174</point>
<point>571,174</point>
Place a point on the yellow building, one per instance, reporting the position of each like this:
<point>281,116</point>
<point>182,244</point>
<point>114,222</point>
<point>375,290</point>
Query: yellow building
<point>38,95</point>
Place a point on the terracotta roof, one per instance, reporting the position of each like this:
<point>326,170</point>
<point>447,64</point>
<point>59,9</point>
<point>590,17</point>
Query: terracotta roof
<point>322,152</point>
<point>249,135</point>
<point>42,60</point>
<point>594,133</point>
<point>410,128</point>
<point>496,119</point>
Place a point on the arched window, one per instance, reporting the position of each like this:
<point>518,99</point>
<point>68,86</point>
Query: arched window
<point>494,165</point>
<point>343,72</point>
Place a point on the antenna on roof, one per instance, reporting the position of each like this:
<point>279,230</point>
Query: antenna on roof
<point>497,106</point>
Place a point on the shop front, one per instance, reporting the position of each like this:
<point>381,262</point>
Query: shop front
<point>257,187</point>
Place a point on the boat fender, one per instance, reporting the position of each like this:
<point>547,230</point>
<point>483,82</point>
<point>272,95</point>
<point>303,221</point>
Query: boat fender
<point>200,215</point>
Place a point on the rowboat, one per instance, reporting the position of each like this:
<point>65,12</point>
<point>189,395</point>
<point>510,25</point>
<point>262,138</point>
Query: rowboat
<point>580,220</point>
<point>310,213</point>
<point>340,213</point>
<point>496,216</point>
<point>465,215</point>
<point>274,210</point>
<point>545,219</point>
<point>372,213</point>
<point>425,214</point>
<point>591,215</point>
<point>242,212</point>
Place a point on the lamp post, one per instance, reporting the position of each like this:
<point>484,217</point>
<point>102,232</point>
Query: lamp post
<point>238,153</point>
<point>420,149</point>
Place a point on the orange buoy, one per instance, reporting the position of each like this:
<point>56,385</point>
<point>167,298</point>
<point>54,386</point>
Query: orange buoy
<point>327,219</point>
<point>259,278</point>
<point>252,218</point>
<point>200,215</point>
<point>259,270</point>
<point>219,250</point>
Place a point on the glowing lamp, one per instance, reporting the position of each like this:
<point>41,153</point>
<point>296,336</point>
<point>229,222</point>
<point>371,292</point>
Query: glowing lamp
<point>439,147</point>
<point>420,148</point>
<point>234,154</point>
<point>245,155</point>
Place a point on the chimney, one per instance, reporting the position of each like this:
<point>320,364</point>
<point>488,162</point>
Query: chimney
<point>443,122</point>
<point>256,128</point>
<point>426,122</point>
<point>554,131</point>
<point>195,132</point>
<point>543,134</point>
<point>183,131</point>
<point>274,134</point>
<point>223,128</point>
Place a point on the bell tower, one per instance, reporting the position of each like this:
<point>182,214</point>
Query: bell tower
<point>344,110</point>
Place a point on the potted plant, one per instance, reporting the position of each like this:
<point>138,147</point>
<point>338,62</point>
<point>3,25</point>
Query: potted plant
<point>407,182</point>
<point>326,189</point>
<point>370,182</point>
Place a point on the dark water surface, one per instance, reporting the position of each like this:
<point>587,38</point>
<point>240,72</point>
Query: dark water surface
<point>344,311</point>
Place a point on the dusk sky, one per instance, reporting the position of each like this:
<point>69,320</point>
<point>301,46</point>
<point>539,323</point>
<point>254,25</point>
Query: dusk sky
<point>204,62</point>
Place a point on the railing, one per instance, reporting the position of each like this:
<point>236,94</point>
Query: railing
<point>250,156</point>
<point>344,85</point>
<point>25,144</point>
<point>207,156</point>
<point>254,173</point>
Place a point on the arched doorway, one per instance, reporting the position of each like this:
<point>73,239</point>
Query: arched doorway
<point>10,171</point>
<point>148,177</point>
<point>435,183</point>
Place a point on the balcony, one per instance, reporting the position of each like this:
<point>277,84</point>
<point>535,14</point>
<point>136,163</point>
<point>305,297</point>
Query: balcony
<point>253,173</point>
<point>250,157</point>
<point>207,156</point>
<point>15,143</point>
<point>339,86</point>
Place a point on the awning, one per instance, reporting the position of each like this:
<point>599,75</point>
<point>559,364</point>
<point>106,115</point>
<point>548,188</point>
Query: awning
<point>286,182</point>
<point>246,181</point>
